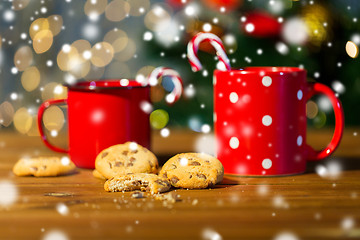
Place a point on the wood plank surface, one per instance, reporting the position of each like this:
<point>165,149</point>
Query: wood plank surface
<point>305,206</point>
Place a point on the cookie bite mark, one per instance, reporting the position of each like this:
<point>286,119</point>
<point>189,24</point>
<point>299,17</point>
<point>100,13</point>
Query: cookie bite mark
<point>138,181</point>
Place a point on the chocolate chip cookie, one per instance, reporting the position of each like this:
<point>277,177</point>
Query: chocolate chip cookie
<point>125,158</point>
<point>44,166</point>
<point>138,181</point>
<point>193,170</point>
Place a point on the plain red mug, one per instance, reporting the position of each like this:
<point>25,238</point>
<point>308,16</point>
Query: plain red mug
<point>101,114</point>
<point>260,120</point>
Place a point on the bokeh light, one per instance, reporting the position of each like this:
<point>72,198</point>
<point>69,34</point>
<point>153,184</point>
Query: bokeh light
<point>55,235</point>
<point>311,109</point>
<point>295,31</point>
<point>320,120</point>
<point>42,41</point>
<point>20,4</point>
<point>23,58</point>
<point>157,19</point>
<point>22,120</point>
<point>67,57</point>
<point>55,24</point>
<point>117,10</point>
<point>95,8</point>
<point>143,73</point>
<point>127,53</point>
<point>352,49</point>
<point>6,113</point>
<point>53,118</point>
<point>30,78</point>
<point>9,193</point>
<point>139,7</point>
<point>37,26</point>
<point>95,73</point>
<point>159,118</point>
<point>53,90</point>
<point>117,70</point>
<point>101,54</point>
<point>117,38</point>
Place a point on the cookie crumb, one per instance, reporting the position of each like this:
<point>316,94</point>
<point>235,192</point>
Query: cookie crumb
<point>171,197</point>
<point>137,195</point>
<point>194,202</point>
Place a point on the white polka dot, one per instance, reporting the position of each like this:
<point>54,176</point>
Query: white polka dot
<point>233,97</point>
<point>299,140</point>
<point>299,94</point>
<point>266,81</point>
<point>267,120</point>
<point>234,142</point>
<point>266,163</point>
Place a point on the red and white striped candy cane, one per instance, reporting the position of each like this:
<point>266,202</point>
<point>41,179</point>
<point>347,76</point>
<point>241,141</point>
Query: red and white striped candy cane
<point>159,72</point>
<point>215,41</point>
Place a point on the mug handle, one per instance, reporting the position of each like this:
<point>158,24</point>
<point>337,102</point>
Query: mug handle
<point>41,111</point>
<point>318,88</point>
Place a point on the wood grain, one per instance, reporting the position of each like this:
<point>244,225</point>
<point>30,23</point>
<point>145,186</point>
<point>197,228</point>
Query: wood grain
<point>307,206</point>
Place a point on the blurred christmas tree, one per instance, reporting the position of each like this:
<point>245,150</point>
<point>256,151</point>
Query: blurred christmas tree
<point>320,36</point>
<point>47,43</point>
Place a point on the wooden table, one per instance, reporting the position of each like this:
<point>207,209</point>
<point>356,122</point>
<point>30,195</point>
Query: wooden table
<point>76,206</point>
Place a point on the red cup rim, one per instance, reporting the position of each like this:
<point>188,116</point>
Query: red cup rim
<point>105,84</point>
<point>267,69</point>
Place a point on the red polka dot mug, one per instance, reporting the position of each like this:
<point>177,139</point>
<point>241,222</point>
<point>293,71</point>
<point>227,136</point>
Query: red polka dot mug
<point>260,120</point>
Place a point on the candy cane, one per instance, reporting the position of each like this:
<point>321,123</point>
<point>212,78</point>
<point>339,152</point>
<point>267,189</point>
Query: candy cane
<point>215,41</point>
<point>158,72</point>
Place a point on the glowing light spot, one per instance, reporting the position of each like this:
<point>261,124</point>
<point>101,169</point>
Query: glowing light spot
<point>249,27</point>
<point>207,27</point>
<point>97,116</point>
<point>148,36</point>
<point>65,161</point>
<point>49,63</point>
<point>165,132</point>
<point>234,142</point>
<point>347,223</point>
<point>190,91</point>
<point>338,87</point>
<point>9,193</point>
<point>55,235</point>
<point>266,120</point>
<point>210,234</point>
<point>54,133</point>
<point>184,161</point>
<point>282,48</point>
<point>295,31</point>
<point>286,236</point>
<point>9,15</point>
<point>205,128</point>
<point>14,70</point>
<point>133,146</point>
<point>124,82</point>
<point>190,10</point>
<point>66,48</point>
<point>159,118</point>
<point>352,49</point>
<point>146,107</point>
